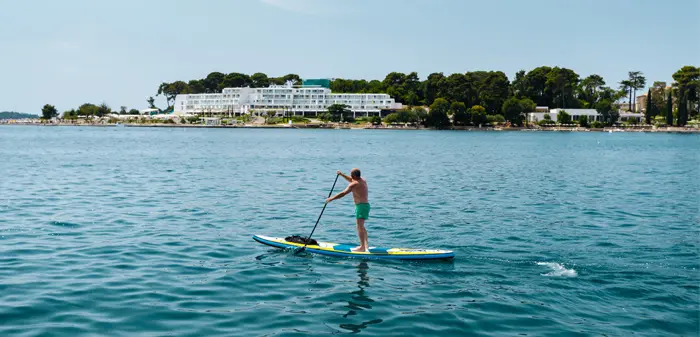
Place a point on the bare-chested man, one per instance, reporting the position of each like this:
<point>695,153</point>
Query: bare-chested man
<point>358,187</point>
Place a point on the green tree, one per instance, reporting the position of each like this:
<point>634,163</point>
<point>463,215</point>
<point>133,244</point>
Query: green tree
<point>392,118</point>
<point>459,113</point>
<point>339,112</point>
<point>495,119</point>
<point>294,78</point>
<point>196,87</point>
<point>626,86</point>
<point>609,94</point>
<point>151,103</point>
<point>48,111</point>
<point>658,94</point>
<point>437,117</point>
<point>234,80</point>
<point>421,114</point>
<point>682,109</point>
<point>376,120</point>
<point>259,80</point>
<point>562,82</point>
<point>687,82</point>
<point>478,114</point>
<point>638,81</point>
<point>403,116</point>
<point>411,98</point>
<point>70,114</point>
<point>122,110</point>
<point>669,109</point>
<point>413,94</point>
<point>563,117</point>
<point>88,110</point>
<point>527,105</point>
<point>518,87</point>
<point>133,112</point>
<point>375,86</point>
<point>103,110</point>
<point>590,88</point>
<point>212,81</point>
<point>583,121</point>
<point>431,87</point>
<point>494,91</point>
<point>456,88</point>
<point>171,90</point>
<point>649,110</point>
<point>269,115</point>
<point>514,109</point>
<point>536,84</point>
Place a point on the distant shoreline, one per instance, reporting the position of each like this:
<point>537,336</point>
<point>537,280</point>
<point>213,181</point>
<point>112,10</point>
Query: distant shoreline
<point>365,127</point>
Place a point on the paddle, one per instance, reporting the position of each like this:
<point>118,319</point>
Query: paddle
<point>299,250</point>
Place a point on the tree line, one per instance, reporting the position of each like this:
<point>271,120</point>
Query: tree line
<point>464,95</point>
<point>16,115</point>
<point>215,82</point>
<point>88,110</point>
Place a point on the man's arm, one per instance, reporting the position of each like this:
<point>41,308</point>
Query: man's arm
<point>344,176</point>
<point>343,193</point>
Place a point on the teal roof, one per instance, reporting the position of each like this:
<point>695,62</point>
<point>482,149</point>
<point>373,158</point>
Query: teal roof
<point>322,82</point>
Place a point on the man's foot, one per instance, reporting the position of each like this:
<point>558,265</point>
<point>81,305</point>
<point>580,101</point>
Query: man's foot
<point>358,249</point>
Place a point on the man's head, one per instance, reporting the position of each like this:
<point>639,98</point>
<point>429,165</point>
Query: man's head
<point>355,173</point>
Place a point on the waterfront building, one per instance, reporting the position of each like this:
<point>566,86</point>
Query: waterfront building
<point>306,100</point>
<point>575,114</point>
<point>592,114</point>
<point>641,103</point>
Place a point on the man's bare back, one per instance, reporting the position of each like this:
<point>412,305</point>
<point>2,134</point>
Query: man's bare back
<point>359,191</point>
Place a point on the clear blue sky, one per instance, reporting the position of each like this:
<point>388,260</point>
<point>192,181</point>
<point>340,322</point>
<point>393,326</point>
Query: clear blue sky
<point>75,51</point>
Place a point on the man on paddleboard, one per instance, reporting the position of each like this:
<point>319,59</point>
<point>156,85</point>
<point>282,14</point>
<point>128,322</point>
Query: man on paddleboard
<point>358,187</point>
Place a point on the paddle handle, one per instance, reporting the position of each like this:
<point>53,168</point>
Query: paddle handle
<point>319,216</point>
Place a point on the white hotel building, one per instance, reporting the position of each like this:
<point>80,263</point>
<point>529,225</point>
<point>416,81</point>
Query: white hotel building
<point>297,100</point>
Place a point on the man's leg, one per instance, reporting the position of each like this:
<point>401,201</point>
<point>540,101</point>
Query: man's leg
<point>365,241</point>
<point>361,234</point>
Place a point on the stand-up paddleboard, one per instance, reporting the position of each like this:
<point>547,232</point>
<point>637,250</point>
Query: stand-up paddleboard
<point>344,250</point>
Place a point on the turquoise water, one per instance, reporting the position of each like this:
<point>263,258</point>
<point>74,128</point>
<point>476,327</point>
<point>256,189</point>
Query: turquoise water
<point>147,232</point>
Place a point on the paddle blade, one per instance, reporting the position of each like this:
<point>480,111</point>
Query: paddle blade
<point>299,250</point>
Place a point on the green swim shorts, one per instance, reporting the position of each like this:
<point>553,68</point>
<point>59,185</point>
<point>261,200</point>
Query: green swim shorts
<point>362,211</point>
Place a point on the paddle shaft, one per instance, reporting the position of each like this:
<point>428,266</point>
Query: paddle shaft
<point>319,216</point>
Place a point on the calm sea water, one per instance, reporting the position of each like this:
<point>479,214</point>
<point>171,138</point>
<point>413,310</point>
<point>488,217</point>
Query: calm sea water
<point>147,232</point>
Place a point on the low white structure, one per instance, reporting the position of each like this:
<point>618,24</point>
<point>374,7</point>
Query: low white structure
<point>575,114</point>
<point>148,111</point>
<point>289,99</point>
<point>211,121</point>
<point>635,117</point>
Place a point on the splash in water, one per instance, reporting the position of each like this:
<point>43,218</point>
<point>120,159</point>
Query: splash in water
<point>558,270</point>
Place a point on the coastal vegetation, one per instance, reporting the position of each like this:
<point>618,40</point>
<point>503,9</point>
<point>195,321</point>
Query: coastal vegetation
<point>15,115</point>
<point>478,97</point>
<point>89,110</point>
<point>456,100</point>
<point>49,111</point>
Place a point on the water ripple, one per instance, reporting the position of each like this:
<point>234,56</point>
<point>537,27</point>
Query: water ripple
<point>555,234</point>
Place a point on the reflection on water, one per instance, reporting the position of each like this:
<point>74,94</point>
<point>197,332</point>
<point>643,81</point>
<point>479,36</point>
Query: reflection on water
<point>359,301</point>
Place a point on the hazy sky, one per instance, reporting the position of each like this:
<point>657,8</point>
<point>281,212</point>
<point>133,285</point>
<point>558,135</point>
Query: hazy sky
<point>70,52</point>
